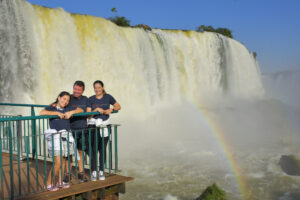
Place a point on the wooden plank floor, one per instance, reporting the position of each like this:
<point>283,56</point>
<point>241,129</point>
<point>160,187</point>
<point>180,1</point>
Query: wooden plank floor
<point>81,188</point>
<point>36,187</point>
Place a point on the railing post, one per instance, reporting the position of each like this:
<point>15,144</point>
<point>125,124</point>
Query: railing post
<point>11,166</point>
<point>90,151</point>
<point>45,163</point>
<point>1,166</point>
<point>116,148</point>
<point>76,160</point>
<point>19,152</point>
<point>19,136</point>
<point>27,163</point>
<point>102,151</point>
<point>109,147</point>
<point>33,131</point>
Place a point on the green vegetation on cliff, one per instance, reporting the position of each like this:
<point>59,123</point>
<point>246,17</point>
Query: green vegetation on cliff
<point>223,31</point>
<point>120,21</point>
<point>212,192</point>
<point>123,21</point>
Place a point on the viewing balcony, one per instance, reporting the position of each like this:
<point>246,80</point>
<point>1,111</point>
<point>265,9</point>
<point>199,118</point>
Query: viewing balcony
<point>27,156</point>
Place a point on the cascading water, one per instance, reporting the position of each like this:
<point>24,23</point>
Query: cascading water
<point>17,66</point>
<point>49,48</point>
<point>170,84</point>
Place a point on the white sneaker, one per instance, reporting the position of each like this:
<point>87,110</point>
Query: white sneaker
<point>101,176</point>
<point>94,176</point>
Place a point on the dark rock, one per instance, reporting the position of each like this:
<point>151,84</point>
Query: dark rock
<point>290,165</point>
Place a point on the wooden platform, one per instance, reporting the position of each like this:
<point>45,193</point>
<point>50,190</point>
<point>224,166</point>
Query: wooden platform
<point>34,189</point>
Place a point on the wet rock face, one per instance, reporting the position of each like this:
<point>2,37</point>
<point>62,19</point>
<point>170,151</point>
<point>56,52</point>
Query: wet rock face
<point>290,165</point>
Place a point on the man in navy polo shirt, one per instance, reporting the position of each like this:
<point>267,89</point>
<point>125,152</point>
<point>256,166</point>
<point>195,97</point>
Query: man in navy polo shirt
<point>78,124</point>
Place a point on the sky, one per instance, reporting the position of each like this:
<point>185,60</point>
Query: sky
<point>271,28</point>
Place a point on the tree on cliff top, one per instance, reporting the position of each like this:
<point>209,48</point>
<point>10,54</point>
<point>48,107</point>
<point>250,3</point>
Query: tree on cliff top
<point>203,28</point>
<point>223,31</point>
<point>120,21</point>
<point>113,10</point>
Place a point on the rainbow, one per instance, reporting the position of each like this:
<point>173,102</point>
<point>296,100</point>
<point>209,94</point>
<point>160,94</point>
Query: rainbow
<point>225,147</point>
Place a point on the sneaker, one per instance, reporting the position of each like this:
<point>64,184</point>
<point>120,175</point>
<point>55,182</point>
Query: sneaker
<point>94,176</point>
<point>67,178</point>
<point>63,185</point>
<point>52,188</point>
<point>101,176</point>
<point>81,177</point>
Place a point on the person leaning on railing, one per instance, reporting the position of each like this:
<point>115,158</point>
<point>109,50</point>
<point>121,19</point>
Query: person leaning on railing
<point>62,126</point>
<point>78,127</point>
<point>100,102</point>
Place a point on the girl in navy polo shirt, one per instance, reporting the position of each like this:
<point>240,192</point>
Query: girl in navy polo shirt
<point>100,102</point>
<point>59,108</point>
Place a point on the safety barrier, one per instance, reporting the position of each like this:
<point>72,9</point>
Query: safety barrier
<point>23,140</point>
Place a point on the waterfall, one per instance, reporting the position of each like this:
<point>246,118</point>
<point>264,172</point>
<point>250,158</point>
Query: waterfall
<point>43,51</point>
<point>17,65</point>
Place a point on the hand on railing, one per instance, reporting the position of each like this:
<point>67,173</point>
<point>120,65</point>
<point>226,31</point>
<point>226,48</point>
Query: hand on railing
<point>48,116</point>
<point>90,113</point>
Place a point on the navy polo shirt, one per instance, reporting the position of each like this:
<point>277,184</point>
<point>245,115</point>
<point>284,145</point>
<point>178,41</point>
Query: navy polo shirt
<point>80,121</point>
<point>103,103</point>
<point>57,123</point>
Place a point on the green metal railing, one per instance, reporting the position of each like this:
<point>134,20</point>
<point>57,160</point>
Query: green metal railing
<point>33,130</point>
<point>23,140</point>
<point>6,116</point>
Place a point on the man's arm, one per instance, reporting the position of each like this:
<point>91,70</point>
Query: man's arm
<point>69,114</point>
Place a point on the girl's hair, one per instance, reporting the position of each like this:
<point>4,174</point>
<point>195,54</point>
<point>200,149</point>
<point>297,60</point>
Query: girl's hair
<point>63,93</point>
<point>101,83</point>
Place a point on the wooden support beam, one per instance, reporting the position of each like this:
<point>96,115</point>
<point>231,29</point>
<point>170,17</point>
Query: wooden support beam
<point>108,193</point>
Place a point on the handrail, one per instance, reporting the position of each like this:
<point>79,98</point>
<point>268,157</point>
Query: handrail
<point>23,105</point>
<point>48,116</point>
